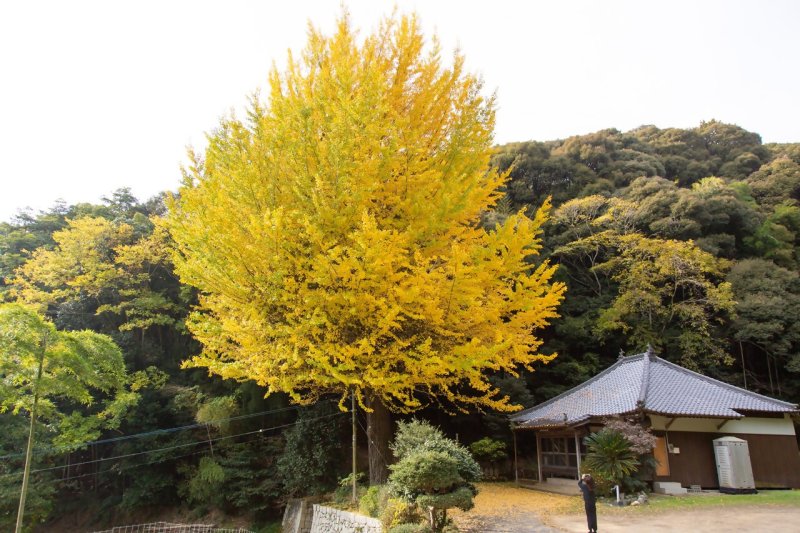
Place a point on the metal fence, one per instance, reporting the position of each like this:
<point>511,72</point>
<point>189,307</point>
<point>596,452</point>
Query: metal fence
<point>170,527</point>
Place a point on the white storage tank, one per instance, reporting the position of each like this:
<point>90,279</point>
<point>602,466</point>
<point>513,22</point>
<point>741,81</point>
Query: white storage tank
<point>733,465</point>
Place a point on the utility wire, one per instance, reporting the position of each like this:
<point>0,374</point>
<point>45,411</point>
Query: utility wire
<point>153,432</point>
<point>167,448</point>
<point>374,445</point>
<point>157,461</point>
<point>113,469</point>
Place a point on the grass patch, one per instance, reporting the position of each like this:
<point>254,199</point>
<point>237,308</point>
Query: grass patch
<point>270,527</point>
<point>662,503</point>
<point>689,501</point>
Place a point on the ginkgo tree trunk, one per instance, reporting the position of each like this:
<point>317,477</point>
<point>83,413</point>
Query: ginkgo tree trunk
<point>334,234</point>
<point>41,367</point>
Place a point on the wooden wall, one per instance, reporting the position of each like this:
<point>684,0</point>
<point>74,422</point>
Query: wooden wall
<point>775,459</point>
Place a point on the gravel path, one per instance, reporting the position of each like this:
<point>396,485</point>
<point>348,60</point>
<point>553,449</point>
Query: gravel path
<point>764,519</point>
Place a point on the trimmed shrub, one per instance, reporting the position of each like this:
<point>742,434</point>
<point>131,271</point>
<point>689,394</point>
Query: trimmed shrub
<point>433,472</point>
<point>418,435</point>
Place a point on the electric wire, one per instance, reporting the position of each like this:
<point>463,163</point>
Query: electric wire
<point>374,445</point>
<point>113,469</point>
<point>154,432</point>
<point>159,461</point>
<point>167,448</point>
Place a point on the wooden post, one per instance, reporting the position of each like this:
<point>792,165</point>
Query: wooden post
<point>578,452</point>
<point>539,456</point>
<point>516,468</point>
<point>744,370</point>
<point>353,409</point>
<point>211,446</point>
<point>29,450</point>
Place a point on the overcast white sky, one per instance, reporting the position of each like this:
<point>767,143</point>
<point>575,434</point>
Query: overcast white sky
<point>100,95</point>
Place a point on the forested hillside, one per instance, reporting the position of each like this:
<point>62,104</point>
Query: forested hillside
<point>686,240</point>
<point>683,239</point>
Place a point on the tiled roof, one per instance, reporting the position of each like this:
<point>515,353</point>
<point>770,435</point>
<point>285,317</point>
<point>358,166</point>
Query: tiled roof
<point>650,383</point>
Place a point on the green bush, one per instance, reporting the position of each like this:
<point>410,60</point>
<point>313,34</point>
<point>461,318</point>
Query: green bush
<point>343,495</point>
<point>410,528</point>
<point>637,482</point>
<point>488,449</point>
<point>374,500</point>
<point>274,527</point>
<point>398,511</point>
<point>203,482</point>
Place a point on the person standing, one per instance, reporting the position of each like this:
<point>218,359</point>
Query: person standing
<point>586,483</point>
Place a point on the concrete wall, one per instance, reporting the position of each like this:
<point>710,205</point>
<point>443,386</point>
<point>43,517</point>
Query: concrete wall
<point>330,520</point>
<point>298,516</point>
<point>750,425</point>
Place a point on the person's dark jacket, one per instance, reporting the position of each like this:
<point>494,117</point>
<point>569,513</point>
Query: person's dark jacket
<point>588,494</point>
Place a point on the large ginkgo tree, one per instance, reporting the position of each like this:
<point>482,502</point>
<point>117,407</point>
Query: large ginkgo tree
<point>335,236</point>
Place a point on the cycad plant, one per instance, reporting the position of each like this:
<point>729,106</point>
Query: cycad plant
<point>609,455</point>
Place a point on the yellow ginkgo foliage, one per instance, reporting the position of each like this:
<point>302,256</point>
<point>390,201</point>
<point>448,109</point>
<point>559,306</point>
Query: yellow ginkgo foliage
<point>334,235</point>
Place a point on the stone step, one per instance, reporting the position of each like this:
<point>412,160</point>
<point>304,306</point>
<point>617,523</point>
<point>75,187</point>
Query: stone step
<point>561,481</point>
<point>668,487</point>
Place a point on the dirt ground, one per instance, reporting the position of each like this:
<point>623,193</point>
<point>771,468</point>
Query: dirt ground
<point>507,509</point>
<point>503,508</point>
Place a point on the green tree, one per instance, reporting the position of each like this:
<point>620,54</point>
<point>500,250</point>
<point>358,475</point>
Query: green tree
<point>488,449</point>
<point>790,150</point>
<point>118,274</point>
<point>671,294</point>
<point>766,325</point>
<point>778,237</point>
<point>313,459</point>
<point>24,234</point>
<point>42,486</point>
<point>726,142</point>
<point>535,175</point>
<point>713,214</point>
<point>335,235</point>
<point>43,370</point>
<point>666,293</point>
